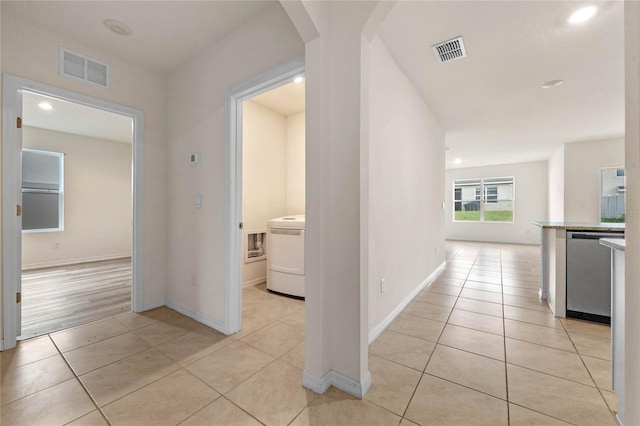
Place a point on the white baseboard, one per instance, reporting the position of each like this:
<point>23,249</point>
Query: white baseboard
<point>153,305</point>
<point>201,318</point>
<point>316,384</point>
<point>378,329</point>
<point>339,380</point>
<point>65,262</point>
<point>255,281</point>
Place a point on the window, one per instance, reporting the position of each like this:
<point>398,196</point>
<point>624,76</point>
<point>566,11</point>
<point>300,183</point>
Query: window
<point>42,191</point>
<point>457,196</point>
<point>612,195</point>
<point>495,204</point>
<point>491,194</point>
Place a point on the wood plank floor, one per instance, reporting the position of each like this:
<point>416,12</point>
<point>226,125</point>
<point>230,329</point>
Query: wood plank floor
<point>66,296</point>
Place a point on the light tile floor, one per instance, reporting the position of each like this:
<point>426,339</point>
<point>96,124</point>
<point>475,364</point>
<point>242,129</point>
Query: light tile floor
<point>475,347</point>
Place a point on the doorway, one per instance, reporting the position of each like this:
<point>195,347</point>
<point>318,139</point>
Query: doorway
<point>273,208</point>
<point>16,90</point>
<point>76,214</point>
<point>236,236</point>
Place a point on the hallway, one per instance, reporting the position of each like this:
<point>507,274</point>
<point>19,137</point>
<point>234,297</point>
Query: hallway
<point>475,347</point>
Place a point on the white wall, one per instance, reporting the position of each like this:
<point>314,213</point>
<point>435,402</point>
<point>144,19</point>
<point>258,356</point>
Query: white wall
<point>582,164</point>
<point>406,180</point>
<point>196,237</point>
<point>295,164</point>
<point>263,177</point>
<point>530,182</point>
<point>632,233</point>
<point>272,174</point>
<point>97,201</point>
<point>555,182</point>
<point>31,51</point>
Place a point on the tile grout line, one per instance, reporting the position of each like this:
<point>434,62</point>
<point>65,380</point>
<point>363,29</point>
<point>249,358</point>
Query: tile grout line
<point>485,356</point>
<point>77,378</point>
<point>504,346</point>
<point>127,357</point>
<point>506,363</point>
<point>431,354</point>
<point>589,372</point>
<point>220,395</point>
<point>563,378</point>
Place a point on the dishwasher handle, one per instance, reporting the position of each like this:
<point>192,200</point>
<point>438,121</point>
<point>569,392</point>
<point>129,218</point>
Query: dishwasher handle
<point>584,236</point>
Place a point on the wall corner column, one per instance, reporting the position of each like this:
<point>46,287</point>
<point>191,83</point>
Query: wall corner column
<point>632,232</point>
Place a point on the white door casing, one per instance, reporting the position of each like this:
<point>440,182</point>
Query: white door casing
<point>12,195</point>
<point>233,266</point>
<point>11,222</point>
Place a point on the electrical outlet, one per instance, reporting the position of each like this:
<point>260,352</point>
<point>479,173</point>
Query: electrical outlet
<point>56,246</point>
<point>383,286</point>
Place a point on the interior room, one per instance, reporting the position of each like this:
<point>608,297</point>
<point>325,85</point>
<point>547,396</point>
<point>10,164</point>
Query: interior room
<point>458,160</point>
<point>272,169</point>
<point>273,191</point>
<point>76,249</point>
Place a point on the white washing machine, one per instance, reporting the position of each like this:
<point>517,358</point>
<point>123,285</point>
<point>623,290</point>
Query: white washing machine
<point>285,262</point>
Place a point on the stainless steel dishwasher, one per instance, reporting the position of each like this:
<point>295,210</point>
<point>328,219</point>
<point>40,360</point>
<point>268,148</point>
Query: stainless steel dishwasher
<point>589,276</point>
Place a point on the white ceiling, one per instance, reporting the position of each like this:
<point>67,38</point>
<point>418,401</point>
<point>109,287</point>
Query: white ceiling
<point>74,118</point>
<point>286,100</point>
<point>491,103</point>
<point>165,33</point>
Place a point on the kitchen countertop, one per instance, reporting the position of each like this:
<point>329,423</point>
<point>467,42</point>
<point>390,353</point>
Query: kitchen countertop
<point>582,226</point>
<point>614,243</point>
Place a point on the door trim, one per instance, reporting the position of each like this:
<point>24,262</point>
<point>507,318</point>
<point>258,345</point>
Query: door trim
<point>11,141</point>
<point>233,262</point>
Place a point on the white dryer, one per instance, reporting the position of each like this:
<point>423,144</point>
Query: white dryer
<point>285,262</point>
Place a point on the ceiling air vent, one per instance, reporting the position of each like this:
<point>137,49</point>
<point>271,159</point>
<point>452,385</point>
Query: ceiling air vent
<point>83,68</point>
<point>450,50</point>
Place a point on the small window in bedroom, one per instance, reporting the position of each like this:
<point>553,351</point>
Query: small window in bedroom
<point>483,200</point>
<point>42,191</point>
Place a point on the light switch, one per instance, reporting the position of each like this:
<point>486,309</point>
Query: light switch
<point>194,158</point>
<point>198,201</point>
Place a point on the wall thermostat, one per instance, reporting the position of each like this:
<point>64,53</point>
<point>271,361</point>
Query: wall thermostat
<point>194,158</point>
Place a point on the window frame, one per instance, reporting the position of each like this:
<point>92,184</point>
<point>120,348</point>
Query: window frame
<point>485,199</point>
<point>60,192</point>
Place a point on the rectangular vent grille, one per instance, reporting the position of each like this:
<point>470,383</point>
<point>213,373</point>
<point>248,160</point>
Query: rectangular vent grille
<point>81,67</point>
<point>450,50</point>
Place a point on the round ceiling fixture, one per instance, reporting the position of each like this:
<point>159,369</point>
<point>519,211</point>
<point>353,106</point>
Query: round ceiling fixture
<point>299,79</point>
<point>117,27</point>
<point>457,161</point>
<point>582,15</point>
<point>552,83</point>
<point>45,106</point>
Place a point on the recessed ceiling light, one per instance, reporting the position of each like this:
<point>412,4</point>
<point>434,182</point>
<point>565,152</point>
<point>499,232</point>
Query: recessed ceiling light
<point>582,15</point>
<point>299,79</point>
<point>117,27</point>
<point>552,83</point>
<point>45,106</point>
<point>457,161</point>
